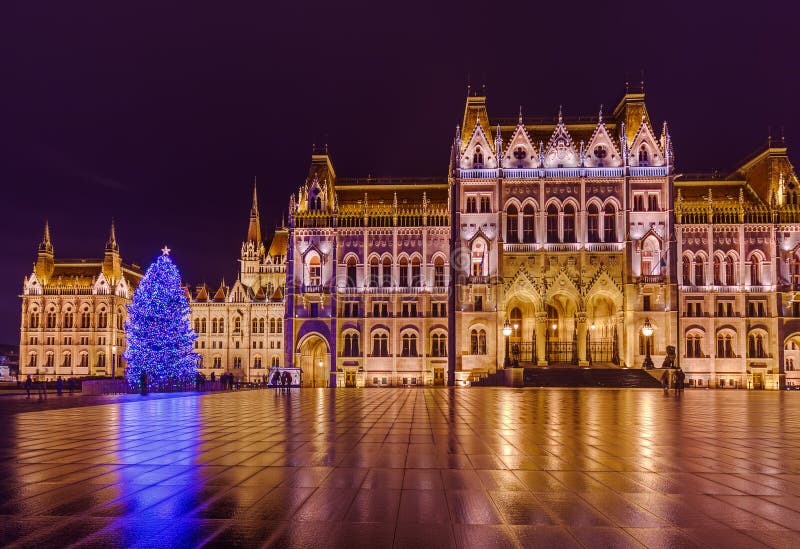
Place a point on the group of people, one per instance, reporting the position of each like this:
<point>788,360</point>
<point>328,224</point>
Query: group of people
<point>673,380</point>
<point>40,386</point>
<point>282,380</point>
<point>227,381</point>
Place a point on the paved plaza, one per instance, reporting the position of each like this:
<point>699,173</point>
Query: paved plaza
<point>479,467</point>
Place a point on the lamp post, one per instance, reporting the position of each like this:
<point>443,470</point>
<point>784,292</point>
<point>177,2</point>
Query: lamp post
<point>507,334</point>
<point>113,361</point>
<point>647,332</point>
<point>319,363</point>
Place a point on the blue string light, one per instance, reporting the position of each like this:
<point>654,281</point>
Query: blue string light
<point>159,335</point>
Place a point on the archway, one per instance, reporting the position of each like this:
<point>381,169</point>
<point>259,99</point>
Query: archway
<point>561,330</point>
<point>601,317</point>
<point>314,361</point>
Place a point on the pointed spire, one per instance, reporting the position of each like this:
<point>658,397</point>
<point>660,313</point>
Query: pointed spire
<point>111,244</point>
<point>600,115</point>
<point>46,245</point>
<point>560,115</point>
<point>254,229</point>
<point>520,115</point>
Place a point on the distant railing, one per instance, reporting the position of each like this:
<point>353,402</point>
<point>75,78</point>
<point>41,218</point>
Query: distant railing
<point>562,247</point>
<point>603,172</point>
<point>520,173</point>
<point>521,247</point>
<point>651,279</point>
<point>604,247</point>
<point>478,280</point>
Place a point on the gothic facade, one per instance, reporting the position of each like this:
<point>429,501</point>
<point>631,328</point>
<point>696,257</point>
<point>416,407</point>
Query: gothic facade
<point>74,311</point>
<point>574,235</point>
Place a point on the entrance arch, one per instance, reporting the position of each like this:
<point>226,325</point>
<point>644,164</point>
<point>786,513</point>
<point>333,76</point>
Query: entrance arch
<point>314,360</point>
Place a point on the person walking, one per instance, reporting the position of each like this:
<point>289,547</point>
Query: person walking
<point>28,383</point>
<point>680,376</point>
<point>43,389</point>
<point>665,382</point>
<point>71,384</point>
<point>59,386</point>
<point>276,379</point>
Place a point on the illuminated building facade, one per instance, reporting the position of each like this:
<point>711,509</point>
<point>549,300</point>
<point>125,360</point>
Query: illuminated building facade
<point>575,233</point>
<point>74,311</point>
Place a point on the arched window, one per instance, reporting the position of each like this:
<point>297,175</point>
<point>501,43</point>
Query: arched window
<point>593,223</point>
<point>67,360</point>
<point>477,158</point>
<point>478,342</point>
<point>374,272</point>
<point>693,346</point>
<point>352,346</point>
<point>528,224</point>
<point>685,271</point>
<point>755,346</point>
<point>724,346</point>
<point>101,360</point>
<point>380,344</point>
<point>86,318</point>
<point>386,272</point>
<point>257,362</point>
<point>552,223</point>
<point>699,271</point>
<point>609,223</point>
<point>237,325</point>
<point>254,326</point>
<point>120,320</point>
<point>314,271</point>
<point>203,325</point>
<point>439,345</point>
<point>51,319</point>
<point>512,226</point>
<point>403,272</point>
<point>569,223</point>
<point>482,342</point>
<point>717,274</point>
<point>261,325</point>
<point>515,318</point>
<point>102,319</point>
<point>730,273</point>
<point>69,319</point>
<point>416,273</point>
<point>409,344</point>
<point>272,325</point>
<point>222,325</point>
<point>644,156</point>
<point>34,323</point>
<point>438,272</point>
<point>755,271</point>
<point>352,276</point>
<point>197,325</point>
<point>84,360</point>
<point>276,362</point>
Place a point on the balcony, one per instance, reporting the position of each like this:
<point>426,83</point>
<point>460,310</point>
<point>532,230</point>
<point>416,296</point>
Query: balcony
<point>603,172</point>
<point>651,279</point>
<point>520,173</point>
<point>528,247</point>
<point>562,247</point>
<point>647,171</point>
<point>604,247</point>
<point>481,173</point>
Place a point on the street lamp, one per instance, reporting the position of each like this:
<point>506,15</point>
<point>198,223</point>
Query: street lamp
<point>647,332</point>
<point>113,361</point>
<point>507,334</point>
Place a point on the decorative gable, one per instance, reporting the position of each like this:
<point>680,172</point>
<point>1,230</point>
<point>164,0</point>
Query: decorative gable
<point>645,149</point>
<point>520,152</point>
<point>560,151</point>
<point>101,286</point>
<point>478,153</point>
<point>601,151</point>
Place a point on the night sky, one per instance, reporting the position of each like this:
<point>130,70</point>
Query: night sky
<point>159,114</point>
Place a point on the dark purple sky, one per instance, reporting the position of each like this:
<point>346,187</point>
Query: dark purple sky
<point>160,113</point>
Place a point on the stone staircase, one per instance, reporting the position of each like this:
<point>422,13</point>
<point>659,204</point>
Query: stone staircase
<point>589,377</point>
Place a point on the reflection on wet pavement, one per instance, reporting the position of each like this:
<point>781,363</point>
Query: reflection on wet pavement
<point>405,468</point>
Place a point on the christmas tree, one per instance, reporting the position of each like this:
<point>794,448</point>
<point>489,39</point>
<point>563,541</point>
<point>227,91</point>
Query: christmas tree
<point>158,332</point>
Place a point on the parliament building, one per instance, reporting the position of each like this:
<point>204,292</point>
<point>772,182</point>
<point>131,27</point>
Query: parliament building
<point>577,237</point>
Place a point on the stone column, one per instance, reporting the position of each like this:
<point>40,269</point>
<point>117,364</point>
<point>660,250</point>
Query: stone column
<point>581,327</point>
<point>541,338</point>
<point>624,354</point>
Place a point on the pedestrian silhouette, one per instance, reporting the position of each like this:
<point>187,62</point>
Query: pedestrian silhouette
<point>59,386</point>
<point>28,383</point>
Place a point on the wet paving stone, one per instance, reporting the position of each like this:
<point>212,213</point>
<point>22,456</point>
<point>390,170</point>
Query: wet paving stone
<point>480,467</point>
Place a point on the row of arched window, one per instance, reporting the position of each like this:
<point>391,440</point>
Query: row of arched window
<point>380,344</point>
<point>258,325</point>
<point>756,347</point>
<point>561,224</point>
<point>69,317</point>
<point>66,360</point>
<point>723,272</point>
<point>409,272</point>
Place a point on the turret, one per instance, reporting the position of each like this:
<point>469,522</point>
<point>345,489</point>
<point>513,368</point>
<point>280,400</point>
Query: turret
<point>45,257</point>
<point>112,263</point>
<point>253,250</point>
